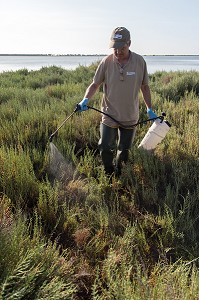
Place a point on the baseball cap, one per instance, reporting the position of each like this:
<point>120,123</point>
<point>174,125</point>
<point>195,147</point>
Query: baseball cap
<point>119,37</point>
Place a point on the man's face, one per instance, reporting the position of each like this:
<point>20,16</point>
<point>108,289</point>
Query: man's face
<point>123,52</point>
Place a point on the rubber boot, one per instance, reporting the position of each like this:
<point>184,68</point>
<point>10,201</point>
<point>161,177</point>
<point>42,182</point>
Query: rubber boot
<point>107,147</point>
<point>126,137</point>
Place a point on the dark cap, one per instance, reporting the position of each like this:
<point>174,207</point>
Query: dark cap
<point>120,36</point>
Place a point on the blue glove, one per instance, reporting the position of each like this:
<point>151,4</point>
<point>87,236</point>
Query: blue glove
<point>151,113</point>
<point>83,105</point>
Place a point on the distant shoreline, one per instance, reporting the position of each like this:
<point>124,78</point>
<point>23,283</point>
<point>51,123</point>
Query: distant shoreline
<point>13,62</point>
<point>53,55</point>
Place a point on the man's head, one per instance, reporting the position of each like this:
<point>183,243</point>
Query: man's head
<point>119,38</point>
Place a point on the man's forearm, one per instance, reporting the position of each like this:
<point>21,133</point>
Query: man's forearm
<point>91,90</point>
<point>146,95</point>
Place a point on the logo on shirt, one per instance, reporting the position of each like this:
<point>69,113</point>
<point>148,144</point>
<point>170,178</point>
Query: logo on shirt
<point>130,73</point>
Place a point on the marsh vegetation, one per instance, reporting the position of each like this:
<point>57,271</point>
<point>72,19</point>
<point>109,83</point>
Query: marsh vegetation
<point>82,237</point>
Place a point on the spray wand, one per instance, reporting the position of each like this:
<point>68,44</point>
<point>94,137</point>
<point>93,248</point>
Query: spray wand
<point>75,110</point>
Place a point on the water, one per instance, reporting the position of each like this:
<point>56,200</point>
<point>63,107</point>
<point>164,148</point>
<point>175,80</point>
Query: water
<point>154,63</point>
<point>13,62</point>
<point>172,63</point>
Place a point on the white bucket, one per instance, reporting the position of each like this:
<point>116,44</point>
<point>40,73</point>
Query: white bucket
<point>155,134</point>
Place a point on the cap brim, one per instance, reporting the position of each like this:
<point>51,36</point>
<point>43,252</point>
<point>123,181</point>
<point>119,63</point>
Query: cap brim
<point>116,44</point>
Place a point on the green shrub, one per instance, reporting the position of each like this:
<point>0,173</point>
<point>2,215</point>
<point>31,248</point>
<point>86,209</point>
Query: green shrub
<point>32,268</point>
<point>17,178</point>
<point>175,85</point>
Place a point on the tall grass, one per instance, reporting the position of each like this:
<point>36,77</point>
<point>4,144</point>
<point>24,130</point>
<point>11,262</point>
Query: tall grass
<point>87,238</point>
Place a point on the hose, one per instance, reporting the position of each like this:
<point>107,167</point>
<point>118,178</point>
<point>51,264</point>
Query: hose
<point>128,126</point>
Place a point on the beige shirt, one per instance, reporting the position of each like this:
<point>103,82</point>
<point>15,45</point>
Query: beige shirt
<point>121,86</point>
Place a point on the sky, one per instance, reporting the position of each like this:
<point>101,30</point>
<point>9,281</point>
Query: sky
<point>157,27</point>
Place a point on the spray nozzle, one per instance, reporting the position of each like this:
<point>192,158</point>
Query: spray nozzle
<point>51,138</point>
<point>162,117</point>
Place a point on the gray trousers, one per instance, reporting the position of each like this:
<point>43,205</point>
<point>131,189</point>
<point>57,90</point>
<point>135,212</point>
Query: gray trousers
<point>115,141</point>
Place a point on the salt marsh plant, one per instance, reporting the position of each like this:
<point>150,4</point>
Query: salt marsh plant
<point>84,237</point>
<point>31,268</point>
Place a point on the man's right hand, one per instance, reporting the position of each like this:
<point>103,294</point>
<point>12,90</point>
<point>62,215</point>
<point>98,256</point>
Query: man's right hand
<point>82,106</point>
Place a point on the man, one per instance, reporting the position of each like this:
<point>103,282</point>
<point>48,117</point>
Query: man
<point>122,74</point>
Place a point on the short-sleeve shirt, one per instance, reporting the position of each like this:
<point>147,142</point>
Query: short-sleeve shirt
<point>121,87</point>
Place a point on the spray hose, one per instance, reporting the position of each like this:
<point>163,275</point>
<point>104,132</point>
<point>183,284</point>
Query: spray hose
<point>129,126</point>
<point>77,108</point>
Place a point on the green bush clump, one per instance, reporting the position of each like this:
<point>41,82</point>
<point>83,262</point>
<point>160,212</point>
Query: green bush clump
<point>31,267</point>
<point>175,85</point>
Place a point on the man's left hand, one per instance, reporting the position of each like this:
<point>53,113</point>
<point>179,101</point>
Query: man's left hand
<point>151,113</point>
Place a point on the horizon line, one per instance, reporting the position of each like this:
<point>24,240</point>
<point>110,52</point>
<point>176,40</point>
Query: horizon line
<point>70,54</point>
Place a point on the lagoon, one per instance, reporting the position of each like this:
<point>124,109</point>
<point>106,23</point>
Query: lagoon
<point>154,62</point>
